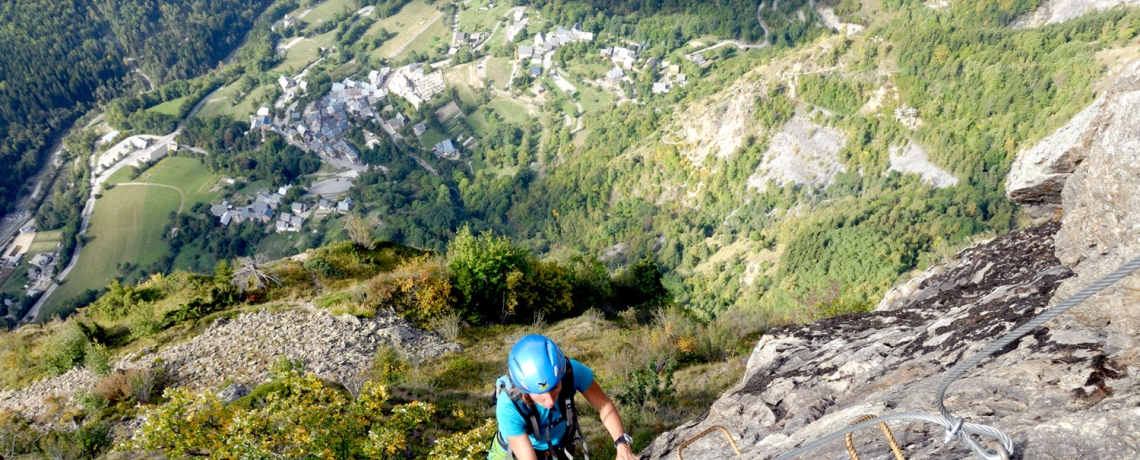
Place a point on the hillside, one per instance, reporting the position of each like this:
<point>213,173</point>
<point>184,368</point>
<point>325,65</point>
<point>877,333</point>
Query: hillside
<point>62,58</point>
<point>353,218</point>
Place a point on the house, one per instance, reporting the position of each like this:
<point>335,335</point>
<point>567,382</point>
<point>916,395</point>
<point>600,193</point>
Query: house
<point>698,59</point>
<point>281,226</point>
<point>518,15</point>
<point>525,52</point>
<point>109,137</point>
<point>41,260</point>
<point>538,89</point>
<point>344,206</point>
<point>651,63</point>
<point>419,129</point>
<point>139,143</point>
<point>662,87</point>
<point>226,218</point>
<point>261,211</point>
<point>286,83</point>
<point>263,111</point>
<point>476,36</point>
<point>535,71</point>
<point>460,38</point>
<point>296,222</point>
<point>445,148</point>
<point>299,208</point>
<point>284,189</point>
<point>623,56</point>
<point>219,209</point>
<point>325,204</point>
<point>614,76</point>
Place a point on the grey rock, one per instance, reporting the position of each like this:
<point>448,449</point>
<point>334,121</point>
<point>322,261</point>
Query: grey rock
<point>1039,174</point>
<point>233,393</point>
<point>1060,393</point>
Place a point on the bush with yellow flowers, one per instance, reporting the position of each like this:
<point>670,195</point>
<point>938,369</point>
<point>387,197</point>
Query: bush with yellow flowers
<point>303,418</point>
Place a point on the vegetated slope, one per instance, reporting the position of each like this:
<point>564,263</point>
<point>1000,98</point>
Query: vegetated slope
<point>57,61</point>
<point>180,39</point>
<point>980,89</point>
<point>61,57</point>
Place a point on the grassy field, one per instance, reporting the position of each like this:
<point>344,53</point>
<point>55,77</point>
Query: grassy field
<point>593,99</point>
<point>435,35</point>
<point>473,20</point>
<point>45,242</point>
<point>219,102</point>
<point>325,11</point>
<point>511,111</point>
<point>499,71</point>
<point>304,52</point>
<point>411,18</point>
<point>477,122</point>
<point>128,226</point>
<point>431,137</point>
<point>168,107</point>
<point>246,108</point>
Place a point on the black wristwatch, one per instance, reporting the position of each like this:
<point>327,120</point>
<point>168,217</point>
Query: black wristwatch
<point>626,439</point>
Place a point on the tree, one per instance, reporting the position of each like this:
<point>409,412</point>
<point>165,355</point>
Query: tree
<point>359,232</point>
<point>250,275</point>
<point>481,266</point>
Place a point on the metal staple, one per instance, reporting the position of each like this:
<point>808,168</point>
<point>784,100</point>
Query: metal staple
<point>702,434</point>
<point>886,434</point>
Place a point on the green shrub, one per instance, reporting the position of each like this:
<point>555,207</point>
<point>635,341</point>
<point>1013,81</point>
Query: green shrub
<point>97,359</point>
<point>649,386</point>
<point>65,348</point>
<point>142,321</point>
<point>388,367</point>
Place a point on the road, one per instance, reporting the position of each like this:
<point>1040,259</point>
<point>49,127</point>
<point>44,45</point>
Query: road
<point>739,44</point>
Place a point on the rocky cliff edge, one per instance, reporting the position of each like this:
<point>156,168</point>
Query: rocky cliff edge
<point>1068,390</point>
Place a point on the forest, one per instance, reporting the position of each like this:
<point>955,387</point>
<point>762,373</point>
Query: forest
<point>60,60</point>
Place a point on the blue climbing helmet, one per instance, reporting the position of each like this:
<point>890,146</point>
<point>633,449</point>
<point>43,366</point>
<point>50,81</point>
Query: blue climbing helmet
<point>536,364</point>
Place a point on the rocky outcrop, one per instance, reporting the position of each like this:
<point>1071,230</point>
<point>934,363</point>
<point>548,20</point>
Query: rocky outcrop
<point>1055,11</point>
<point>1039,173</point>
<point>1059,393</point>
<point>1088,170</point>
<point>802,152</point>
<point>241,351</point>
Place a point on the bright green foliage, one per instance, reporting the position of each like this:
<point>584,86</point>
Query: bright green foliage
<point>468,445</point>
<point>65,348</point>
<point>648,387</point>
<point>482,266</point>
<point>302,418</point>
<point>831,92</point>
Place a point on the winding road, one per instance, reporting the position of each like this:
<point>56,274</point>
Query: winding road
<point>739,44</point>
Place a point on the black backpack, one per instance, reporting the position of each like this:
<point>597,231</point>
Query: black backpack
<point>564,403</point>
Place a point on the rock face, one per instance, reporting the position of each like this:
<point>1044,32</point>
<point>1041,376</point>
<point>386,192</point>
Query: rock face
<point>1055,11</point>
<point>1038,174</point>
<point>801,152</point>
<point>1088,170</point>
<point>1058,393</point>
<point>240,351</point>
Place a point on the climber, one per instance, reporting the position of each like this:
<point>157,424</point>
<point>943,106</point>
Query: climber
<point>534,405</point>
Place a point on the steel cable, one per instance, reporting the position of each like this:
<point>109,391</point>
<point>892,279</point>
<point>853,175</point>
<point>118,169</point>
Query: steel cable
<point>955,427</point>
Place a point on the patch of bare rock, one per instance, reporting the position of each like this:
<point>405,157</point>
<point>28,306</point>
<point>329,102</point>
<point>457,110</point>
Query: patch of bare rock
<point>1057,11</point>
<point>912,159</point>
<point>802,152</point>
<point>241,351</point>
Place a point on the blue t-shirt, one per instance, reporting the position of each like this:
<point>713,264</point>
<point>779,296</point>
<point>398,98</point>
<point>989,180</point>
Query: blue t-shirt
<point>512,423</point>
